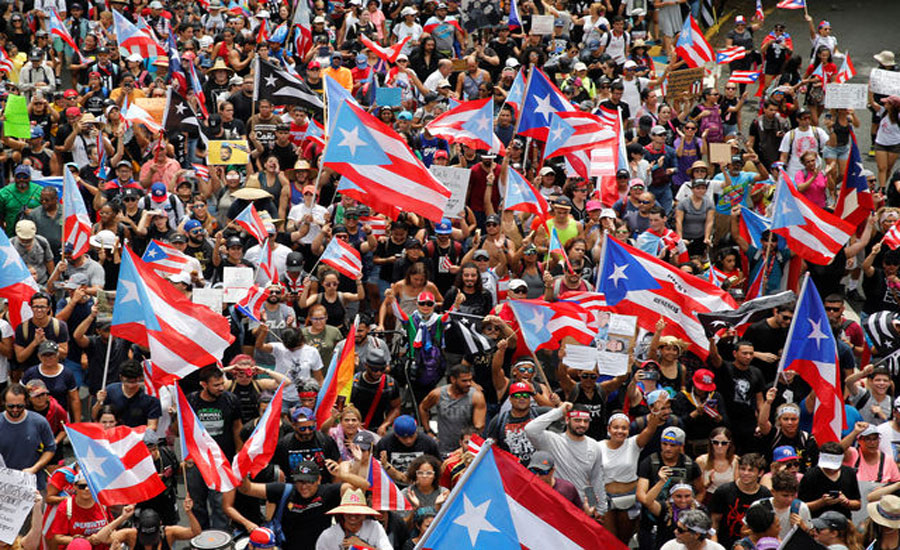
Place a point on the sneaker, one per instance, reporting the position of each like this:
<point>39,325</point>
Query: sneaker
<point>871,151</point>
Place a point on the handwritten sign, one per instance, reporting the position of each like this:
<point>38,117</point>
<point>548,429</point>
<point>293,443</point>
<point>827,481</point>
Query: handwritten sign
<point>236,281</point>
<point>846,96</point>
<point>542,24</point>
<point>17,489</point>
<point>212,298</point>
<point>683,80</point>
<point>884,82</point>
<point>457,181</point>
<point>612,346</point>
<point>228,151</point>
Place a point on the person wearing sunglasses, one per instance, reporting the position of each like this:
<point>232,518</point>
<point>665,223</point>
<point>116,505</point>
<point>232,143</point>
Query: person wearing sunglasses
<point>376,393</point>
<point>523,370</point>
<point>85,518</point>
<point>584,387</point>
<point>18,425</point>
<point>692,532</point>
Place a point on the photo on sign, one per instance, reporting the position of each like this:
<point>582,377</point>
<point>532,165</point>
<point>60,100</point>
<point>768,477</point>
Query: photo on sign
<point>228,151</point>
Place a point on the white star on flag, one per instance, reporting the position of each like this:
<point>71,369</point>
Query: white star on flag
<point>618,273</point>
<point>94,460</point>
<point>270,80</point>
<point>557,133</point>
<point>481,123</point>
<point>817,333</point>
<point>537,321</point>
<point>11,254</point>
<point>131,292</point>
<point>351,140</point>
<point>474,519</point>
<point>179,108</point>
<point>544,106</point>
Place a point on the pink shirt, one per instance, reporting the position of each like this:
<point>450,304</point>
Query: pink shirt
<point>869,472</point>
<point>816,191</point>
<point>166,174</point>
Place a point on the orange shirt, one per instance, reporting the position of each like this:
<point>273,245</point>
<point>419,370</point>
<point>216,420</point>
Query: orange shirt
<point>343,76</point>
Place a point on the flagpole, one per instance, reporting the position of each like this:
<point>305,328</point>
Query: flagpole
<point>790,333</point>
<point>765,265</point>
<point>602,261</point>
<point>106,362</point>
<point>455,491</point>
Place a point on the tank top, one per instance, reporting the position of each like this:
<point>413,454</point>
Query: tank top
<point>334,310</point>
<point>470,85</point>
<point>567,234</point>
<point>296,195</point>
<point>535,284</point>
<point>454,415</point>
<point>249,398</point>
<point>407,303</point>
<point>721,478</point>
<point>842,133</point>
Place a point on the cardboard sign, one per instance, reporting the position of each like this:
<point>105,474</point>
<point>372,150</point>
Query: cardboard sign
<point>17,489</point>
<point>388,97</point>
<point>884,82</point>
<point>542,24</point>
<point>155,107</point>
<point>236,281</point>
<point>213,298</point>
<point>683,80</point>
<point>612,346</point>
<point>457,181</point>
<point>846,96</point>
<point>228,151</point>
<point>719,152</point>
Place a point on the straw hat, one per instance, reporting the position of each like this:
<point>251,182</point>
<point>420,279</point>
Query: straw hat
<point>220,66</point>
<point>251,194</point>
<point>353,502</point>
<point>673,341</point>
<point>886,511</point>
<point>88,118</point>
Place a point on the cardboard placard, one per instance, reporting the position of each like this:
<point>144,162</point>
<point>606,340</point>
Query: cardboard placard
<point>155,107</point>
<point>884,82</point>
<point>228,151</point>
<point>846,96</point>
<point>106,299</point>
<point>236,281</point>
<point>683,80</point>
<point>542,24</point>
<point>719,152</point>
<point>17,489</point>
<point>213,298</point>
<point>388,97</point>
<point>457,181</point>
<point>458,65</point>
<point>612,347</point>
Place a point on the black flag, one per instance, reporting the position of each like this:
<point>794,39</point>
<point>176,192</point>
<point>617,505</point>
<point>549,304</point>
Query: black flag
<point>749,312</point>
<point>283,88</point>
<point>179,112</point>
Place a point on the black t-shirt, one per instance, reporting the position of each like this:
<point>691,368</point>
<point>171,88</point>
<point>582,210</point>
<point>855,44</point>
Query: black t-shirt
<point>218,417</point>
<point>732,503</point>
<point>509,432</point>
<point>303,520</point>
<point>132,411</point>
<point>681,472</point>
<point>802,442</point>
<point>387,249</point>
<point>96,354</point>
<point>815,484</point>
<point>738,389</point>
<point>400,456</point>
<point>286,155</point>
<point>290,452</point>
<point>362,395</point>
<point>767,340</point>
<point>55,330</point>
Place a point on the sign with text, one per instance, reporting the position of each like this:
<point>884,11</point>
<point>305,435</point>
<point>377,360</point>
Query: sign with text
<point>209,297</point>
<point>457,181</point>
<point>884,82</point>
<point>684,80</point>
<point>613,346</point>
<point>542,24</point>
<point>846,96</point>
<point>17,489</point>
<point>236,281</point>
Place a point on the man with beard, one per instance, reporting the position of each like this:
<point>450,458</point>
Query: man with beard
<point>19,198</point>
<point>365,342</point>
<point>198,246</point>
<point>276,317</point>
<point>375,393</point>
<point>261,127</point>
<point>305,444</point>
<point>459,404</point>
<point>26,440</point>
<point>508,428</point>
<point>577,456</point>
<point>220,413</point>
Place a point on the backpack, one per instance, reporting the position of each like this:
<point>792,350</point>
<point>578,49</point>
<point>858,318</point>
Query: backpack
<point>26,326</point>
<point>275,523</point>
<point>430,365</point>
<point>819,145</point>
<point>656,464</point>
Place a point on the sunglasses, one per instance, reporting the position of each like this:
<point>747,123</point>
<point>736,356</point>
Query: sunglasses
<point>426,304</point>
<point>645,202</point>
<point>81,486</point>
<point>832,308</point>
<point>129,199</point>
<point>588,376</point>
<point>15,407</point>
<point>527,370</point>
<point>792,464</point>
<point>680,529</point>
<point>305,428</point>
<point>351,217</point>
<point>718,443</point>
<point>521,395</point>
<point>491,224</point>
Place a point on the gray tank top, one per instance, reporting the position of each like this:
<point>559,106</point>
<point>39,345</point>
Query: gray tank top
<point>454,415</point>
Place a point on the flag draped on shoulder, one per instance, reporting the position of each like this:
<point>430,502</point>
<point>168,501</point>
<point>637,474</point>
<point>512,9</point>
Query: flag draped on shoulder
<point>116,463</point>
<point>199,446</point>
<point>692,46</point>
<point>380,162</point>
<point>77,224</point>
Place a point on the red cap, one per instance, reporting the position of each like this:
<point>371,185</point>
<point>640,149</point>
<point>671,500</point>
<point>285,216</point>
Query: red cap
<point>70,93</point>
<point>93,74</point>
<point>704,380</point>
<point>520,387</point>
<point>309,189</point>
<point>73,111</point>
<point>425,296</point>
<point>440,154</point>
<point>314,65</point>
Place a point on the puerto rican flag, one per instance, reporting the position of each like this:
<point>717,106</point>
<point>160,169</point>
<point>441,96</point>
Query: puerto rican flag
<point>252,303</point>
<point>471,123</point>
<point>16,283</point>
<point>198,445</point>
<point>149,311</point>
<point>744,77</point>
<point>133,39</point>
<point>591,301</point>
<point>540,100</point>
<point>59,30</point>
<point>792,4</point>
<point>154,379</point>
<point>267,261</point>
<point>760,15</point>
<point>201,170</point>
<point>855,201</point>
<point>260,446</point>
<point>342,257</point>
<point>523,197</point>
<point>77,225</point>
<point>116,463</point>
<point>377,224</point>
<point>373,201</point>
<point>515,21</point>
<point>556,247</point>
<point>692,46</point>
<point>387,54</point>
<point>251,222</point>
<point>6,64</point>
<point>165,259</point>
<point>811,233</point>
<point>197,89</point>
<point>544,324</point>
<point>811,352</point>
<point>379,162</point>
<point>499,504</point>
<point>516,92</point>
<point>386,496</point>
<point>302,28</point>
<point>575,131</point>
<point>730,54</point>
<point>892,237</point>
<point>847,70</point>
<point>315,132</point>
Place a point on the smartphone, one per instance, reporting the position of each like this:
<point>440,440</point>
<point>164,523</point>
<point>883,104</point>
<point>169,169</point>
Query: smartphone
<point>341,400</point>
<point>834,493</point>
<point>591,496</point>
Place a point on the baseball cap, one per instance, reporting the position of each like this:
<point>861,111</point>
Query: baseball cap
<point>47,347</point>
<point>517,283</point>
<point>69,94</point>
<point>630,64</point>
<point>178,238</point>
<point>306,470</point>
<point>580,66</point>
<point>37,132</point>
<point>149,527</point>
<point>412,243</point>
<point>262,537</point>
<point>234,241</point>
<point>301,413</point>
<point>830,520</point>
<point>493,218</point>
<point>404,115</point>
<point>673,435</point>
<point>22,170</point>
<point>190,225</point>
<point>520,387</point>
<point>79,544</point>
<point>445,227</point>
<point>405,425</point>
<point>870,430</point>
<point>294,262</point>
<point>541,461</point>
<point>481,254</point>
<point>313,65</point>
<point>657,130</point>
<point>26,229</point>
<point>784,453</point>
<point>739,20</point>
<point>73,111</point>
<point>362,60</point>
<point>592,205</point>
<point>623,173</point>
<point>156,5</point>
<point>562,201</point>
<point>36,387</point>
<point>546,171</point>
<point>704,380</point>
<point>440,154</point>
<point>158,192</point>
<point>364,440</point>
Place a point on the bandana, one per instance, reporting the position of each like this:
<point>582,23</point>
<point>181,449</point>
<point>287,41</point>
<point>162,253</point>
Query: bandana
<point>580,414</point>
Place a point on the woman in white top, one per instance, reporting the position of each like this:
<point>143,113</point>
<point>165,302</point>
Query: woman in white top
<point>621,455</point>
<point>887,139</point>
<point>719,465</point>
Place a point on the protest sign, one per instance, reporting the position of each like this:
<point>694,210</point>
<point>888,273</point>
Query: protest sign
<point>16,123</point>
<point>17,488</point>
<point>846,96</point>
<point>719,153</point>
<point>684,80</point>
<point>212,298</point>
<point>228,151</point>
<point>457,181</point>
<point>542,24</point>
<point>612,346</point>
<point>236,281</point>
<point>884,82</point>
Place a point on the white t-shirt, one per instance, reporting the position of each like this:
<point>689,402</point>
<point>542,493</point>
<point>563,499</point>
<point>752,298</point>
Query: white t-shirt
<point>890,440</point>
<point>299,211</point>
<point>296,365</point>
<point>829,42</point>
<point>403,30</point>
<point>675,545</point>
<point>620,465</point>
<point>279,258</point>
<point>632,93</point>
<point>803,141</point>
<point>888,132</point>
<point>6,331</point>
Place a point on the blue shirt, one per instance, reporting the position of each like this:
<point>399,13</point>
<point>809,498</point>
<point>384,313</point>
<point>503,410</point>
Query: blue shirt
<point>732,195</point>
<point>22,443</point>
<point>132,411</point>
<point>756,257</point>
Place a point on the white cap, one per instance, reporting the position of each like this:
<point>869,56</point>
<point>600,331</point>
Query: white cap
<point>181,277</point>
<point>263,14</point>
<point>512,62</point>
<point>156,5</point>
<point>319,19</point>
<point>408,10</point>
<point>546,170</point>
<point>135,58</point>
<point>403,56</point>
<point>104,239</point>
<point>516,283</point>
<point>580,66</point>
<point>830,461</point>
<point>206,41</point>
<point>608,213</point>
<point>630,64</point>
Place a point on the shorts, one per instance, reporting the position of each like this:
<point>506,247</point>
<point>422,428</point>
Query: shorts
<point>840,152</point>
<point>888,148</point>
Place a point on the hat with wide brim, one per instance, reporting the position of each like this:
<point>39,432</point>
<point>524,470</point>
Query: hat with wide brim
<point>353,502</point>
<point>885,57</point>
<point>220,65</point>
<point>251,194</point>
<point>886,512</point>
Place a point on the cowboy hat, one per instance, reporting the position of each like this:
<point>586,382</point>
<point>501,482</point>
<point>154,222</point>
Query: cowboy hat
<point>886,511</point>
<point>353,502</point>
<point>220,66</point>
<point>251,194</point>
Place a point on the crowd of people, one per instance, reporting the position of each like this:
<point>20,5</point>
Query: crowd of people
<point>681,452</point>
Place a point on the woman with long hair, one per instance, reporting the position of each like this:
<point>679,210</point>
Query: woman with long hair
<point>407,291</point>
<point>820,72</point>
<point>833,530</point>
<point>332,300</point>
<point>424,59</point>
<point>882,530</point>
<point>719,465</point>
<point>887,139</point>
<point>837,149</point>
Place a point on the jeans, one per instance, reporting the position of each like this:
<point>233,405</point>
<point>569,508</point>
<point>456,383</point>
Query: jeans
<point>207,502</point>
<point>663,194</point>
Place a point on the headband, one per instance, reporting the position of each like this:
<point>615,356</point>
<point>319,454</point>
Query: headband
<point>307,394</point>
<point>618,416</point>
<point>580,414</point>
<point>680,486</point>
<point>787,408</point>
<point>887,515</point>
